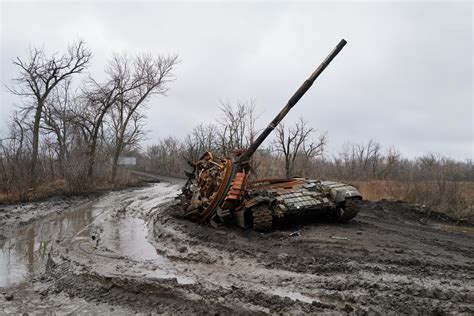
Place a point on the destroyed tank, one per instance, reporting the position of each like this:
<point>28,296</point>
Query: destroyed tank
<point>219,191</point>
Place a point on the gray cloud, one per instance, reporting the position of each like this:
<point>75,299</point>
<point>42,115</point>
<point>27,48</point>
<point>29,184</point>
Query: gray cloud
<point>404,79</point>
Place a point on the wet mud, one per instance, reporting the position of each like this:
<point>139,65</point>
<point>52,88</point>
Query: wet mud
<point>129,251</point>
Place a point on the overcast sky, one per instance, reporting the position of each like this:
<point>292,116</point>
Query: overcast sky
<point>404,79</point>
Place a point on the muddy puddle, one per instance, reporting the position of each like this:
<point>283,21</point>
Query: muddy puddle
<point>128,237</point>
<point>23,256</point>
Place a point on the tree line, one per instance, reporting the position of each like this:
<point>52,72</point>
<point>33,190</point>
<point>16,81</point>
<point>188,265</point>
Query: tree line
<point>298,150</point>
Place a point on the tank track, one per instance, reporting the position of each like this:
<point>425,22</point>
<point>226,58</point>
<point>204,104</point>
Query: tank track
<point>262,218</point>
<point>224,215</point>
<point>350,210</point>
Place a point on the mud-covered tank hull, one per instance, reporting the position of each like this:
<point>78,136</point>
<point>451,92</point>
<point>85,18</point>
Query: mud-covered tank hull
<point>275,202</point>
<point>214,194</point>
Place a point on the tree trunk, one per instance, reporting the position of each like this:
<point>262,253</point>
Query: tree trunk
<point>116,156</point>
<point>36,128</point>
<point>90,166</point>
<point>62,158</point>
<point>119,148</point>
<point>287,168</point>
<point>95,135</point>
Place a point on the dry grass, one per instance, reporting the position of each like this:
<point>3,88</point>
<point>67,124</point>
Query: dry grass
<point>453,198</point>
<point>62,187</point>
<point>56,187</point>
<point>376,190</point>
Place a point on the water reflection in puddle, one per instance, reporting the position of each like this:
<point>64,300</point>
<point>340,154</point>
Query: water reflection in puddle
<point>24,256</point>
<point>128,237</point>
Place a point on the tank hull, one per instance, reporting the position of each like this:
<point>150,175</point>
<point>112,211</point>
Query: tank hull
<point>262,204</point>
<point>299,200</point>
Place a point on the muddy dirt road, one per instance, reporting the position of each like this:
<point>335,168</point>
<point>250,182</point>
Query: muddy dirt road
<point>128,251</point>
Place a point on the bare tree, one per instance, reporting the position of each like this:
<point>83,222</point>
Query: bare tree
<point>165,157</point>
<point>392,159</point>
<point>39,75</point>
<point>14,151</point>
<point>236,126</point>
<point>57,119</point>
<point>19,133</point>
<point>296,141</point>
<point>361,160</point>
<point>202,138</point>
<point>252,117</point>
<point>89,114</point>
<point>137,79</point>
<point>310,151</point>
<point>232,127</point>
<point>369,157</point>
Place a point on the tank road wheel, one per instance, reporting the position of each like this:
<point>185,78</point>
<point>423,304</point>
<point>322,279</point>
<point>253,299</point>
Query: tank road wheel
<point>349,210</point>
<point>262,218</point>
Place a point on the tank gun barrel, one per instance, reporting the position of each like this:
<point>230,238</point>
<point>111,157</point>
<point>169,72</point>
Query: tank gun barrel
<point>291,102</point>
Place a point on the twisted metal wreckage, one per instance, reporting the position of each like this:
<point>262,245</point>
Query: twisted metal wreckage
<point>219,191</point>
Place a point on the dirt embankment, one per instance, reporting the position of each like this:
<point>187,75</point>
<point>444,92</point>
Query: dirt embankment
<point>134,253</point>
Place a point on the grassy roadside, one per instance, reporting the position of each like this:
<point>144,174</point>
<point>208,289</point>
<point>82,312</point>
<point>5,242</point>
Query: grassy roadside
<point>62,187</point>
<point>455,199</point>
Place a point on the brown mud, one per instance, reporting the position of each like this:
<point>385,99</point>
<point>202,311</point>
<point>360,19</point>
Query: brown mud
<point>129,251</point>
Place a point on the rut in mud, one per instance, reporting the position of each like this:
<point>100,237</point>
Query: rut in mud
<point>132,252</point>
